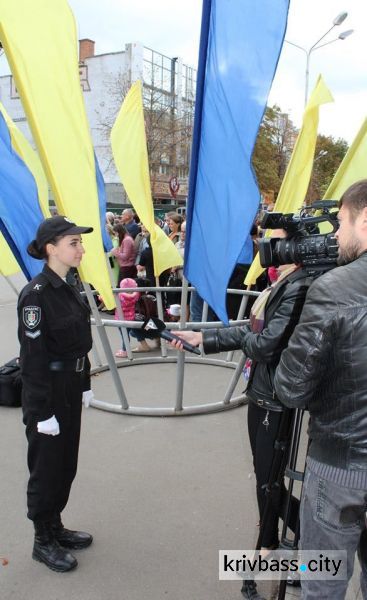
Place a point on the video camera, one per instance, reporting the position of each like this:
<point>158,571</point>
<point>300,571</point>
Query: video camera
<point>303,244</point>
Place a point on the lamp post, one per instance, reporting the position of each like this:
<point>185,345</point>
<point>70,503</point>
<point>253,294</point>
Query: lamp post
<point>316,46</point>
<point>321,154</point>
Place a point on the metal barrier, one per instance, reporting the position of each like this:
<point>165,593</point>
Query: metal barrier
<point>181,359</point>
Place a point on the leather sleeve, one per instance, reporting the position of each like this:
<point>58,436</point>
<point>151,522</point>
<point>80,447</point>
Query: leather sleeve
<point>303,364</point>
<point>228,338</point>
<point>267,346</point>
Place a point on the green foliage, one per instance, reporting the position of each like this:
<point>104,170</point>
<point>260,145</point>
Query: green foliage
<point>274,145</point>
<point>273,148</point>
<point>329,154</point>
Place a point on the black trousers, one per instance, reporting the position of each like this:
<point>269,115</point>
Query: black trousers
<point>262,438</point>
<point>52,460</point>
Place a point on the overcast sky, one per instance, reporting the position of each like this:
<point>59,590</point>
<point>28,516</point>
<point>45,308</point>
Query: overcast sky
<point>172,27</point>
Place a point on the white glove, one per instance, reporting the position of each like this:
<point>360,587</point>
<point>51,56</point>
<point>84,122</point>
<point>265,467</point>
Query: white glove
<point>88,396</point>
<point>49,427</point>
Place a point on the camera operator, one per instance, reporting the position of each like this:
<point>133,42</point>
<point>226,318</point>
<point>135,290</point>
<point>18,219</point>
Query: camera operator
<point>324,370</point>
<point>273,318</point>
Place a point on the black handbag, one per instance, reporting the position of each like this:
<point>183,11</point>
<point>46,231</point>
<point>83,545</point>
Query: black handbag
<point>10,384</point>
<point>174,280</point>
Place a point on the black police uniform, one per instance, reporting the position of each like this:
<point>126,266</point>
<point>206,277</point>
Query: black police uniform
<point>55,337</point>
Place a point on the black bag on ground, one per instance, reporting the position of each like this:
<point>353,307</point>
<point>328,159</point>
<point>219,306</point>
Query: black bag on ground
<point>10,384</point>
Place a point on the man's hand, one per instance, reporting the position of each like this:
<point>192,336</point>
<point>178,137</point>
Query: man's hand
<point>195,338</point>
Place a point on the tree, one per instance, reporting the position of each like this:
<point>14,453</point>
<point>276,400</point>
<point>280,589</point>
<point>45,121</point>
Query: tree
<point>168,127</point>
<point>274,146</point>
<point>273,149</point>
<point>329,153</point>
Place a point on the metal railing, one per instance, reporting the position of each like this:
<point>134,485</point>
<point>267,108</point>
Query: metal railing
<point>180,359</point>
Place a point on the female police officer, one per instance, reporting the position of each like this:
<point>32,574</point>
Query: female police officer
<point>55,337</point>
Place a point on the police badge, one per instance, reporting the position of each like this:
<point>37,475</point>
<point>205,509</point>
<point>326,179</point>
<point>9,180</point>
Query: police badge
<point>31,316</point>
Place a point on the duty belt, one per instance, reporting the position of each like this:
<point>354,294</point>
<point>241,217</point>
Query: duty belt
<point>76,365</point>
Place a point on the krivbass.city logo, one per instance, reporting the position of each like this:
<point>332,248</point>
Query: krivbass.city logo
<point>279,564</point>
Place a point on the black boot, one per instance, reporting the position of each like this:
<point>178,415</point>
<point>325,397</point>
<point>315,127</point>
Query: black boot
<point>249,590</point>
<point>48,551</point>
<point>75,540</point>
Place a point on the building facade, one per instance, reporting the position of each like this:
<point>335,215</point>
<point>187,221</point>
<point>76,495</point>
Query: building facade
<point>168,97</point>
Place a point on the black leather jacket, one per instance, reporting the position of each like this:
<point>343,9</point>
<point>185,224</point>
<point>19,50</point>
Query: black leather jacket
<point>282,313</point>
<point>324,367</point>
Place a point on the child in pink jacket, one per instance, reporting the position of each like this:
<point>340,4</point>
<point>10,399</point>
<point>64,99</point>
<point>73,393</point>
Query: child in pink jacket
<point>128,301</point>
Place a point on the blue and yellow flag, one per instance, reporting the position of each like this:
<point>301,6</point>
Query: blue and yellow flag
<point>40,42</point>
<point>23,148</point>
<point>20,213</point>
<point>296,180</point>
<point>239,50</point>
<point>129,147</point>
<point>18,145</point>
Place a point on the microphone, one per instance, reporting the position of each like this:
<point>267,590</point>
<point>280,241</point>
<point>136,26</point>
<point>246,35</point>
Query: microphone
<point>154,328</point>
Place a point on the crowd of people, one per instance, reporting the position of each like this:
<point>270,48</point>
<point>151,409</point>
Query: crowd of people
<point>132,258</point>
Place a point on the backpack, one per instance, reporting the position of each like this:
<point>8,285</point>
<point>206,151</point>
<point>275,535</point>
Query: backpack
<point>10,384</point>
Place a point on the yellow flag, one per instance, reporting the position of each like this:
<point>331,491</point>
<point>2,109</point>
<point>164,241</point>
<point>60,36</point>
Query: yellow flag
<point>8,264</point>
<point>297,176</point>
<point>23,148</point>
<point>129,149</point>
<point>353,166</point>
<point>40,43</point>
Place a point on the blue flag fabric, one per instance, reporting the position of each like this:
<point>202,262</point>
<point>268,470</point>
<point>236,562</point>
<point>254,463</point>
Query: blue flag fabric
<point>246,256</point>
<point>107,244</point>
<point>20,213</point>
<point>239,51</point>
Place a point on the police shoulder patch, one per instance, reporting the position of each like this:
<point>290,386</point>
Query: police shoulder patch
<point>31,316</point>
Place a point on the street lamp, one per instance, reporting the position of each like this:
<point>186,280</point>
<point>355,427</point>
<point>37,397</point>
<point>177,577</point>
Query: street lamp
<point>336,22</point>
<point>321,154</point>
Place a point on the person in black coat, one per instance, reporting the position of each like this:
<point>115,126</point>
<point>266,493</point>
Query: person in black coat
<point>273,318</point>
<point>324,371</point>
<point>55,337</point>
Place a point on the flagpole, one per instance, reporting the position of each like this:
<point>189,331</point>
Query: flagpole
<point>181,355</point>
<point>107,348</point>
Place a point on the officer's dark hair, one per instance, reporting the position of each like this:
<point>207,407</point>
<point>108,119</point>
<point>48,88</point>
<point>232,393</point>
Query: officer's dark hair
<point>41,253</point>
<point>355,198</point>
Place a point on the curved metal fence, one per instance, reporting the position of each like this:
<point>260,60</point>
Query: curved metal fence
<point>181,359</point>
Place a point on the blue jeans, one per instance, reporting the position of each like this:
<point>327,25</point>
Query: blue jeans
<point>135,333</point>
<point>326,526</point>
<point>196,308</point>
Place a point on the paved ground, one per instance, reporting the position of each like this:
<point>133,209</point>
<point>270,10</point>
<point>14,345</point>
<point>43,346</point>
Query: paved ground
<point>161,495</point>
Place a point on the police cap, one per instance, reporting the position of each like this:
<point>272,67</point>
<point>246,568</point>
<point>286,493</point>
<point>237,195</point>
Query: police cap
<point>52,228</point>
